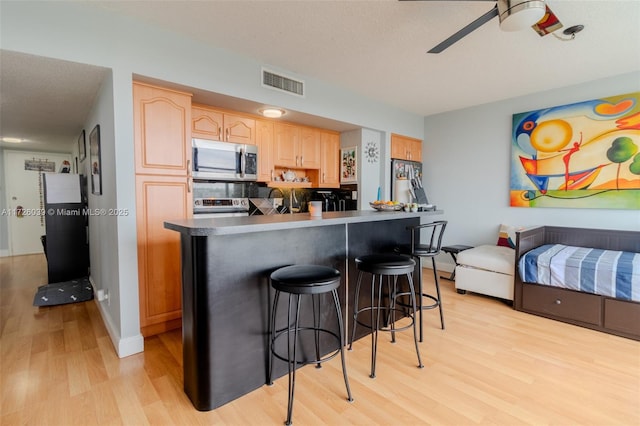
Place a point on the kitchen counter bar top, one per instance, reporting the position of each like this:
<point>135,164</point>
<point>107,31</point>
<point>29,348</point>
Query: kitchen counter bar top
<point>261,223</point>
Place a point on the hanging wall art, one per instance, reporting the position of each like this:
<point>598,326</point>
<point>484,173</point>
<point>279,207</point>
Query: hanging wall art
<point>95,156</point>
<point>82,146</point>
<point>348,165</point>
<point>582,155</point>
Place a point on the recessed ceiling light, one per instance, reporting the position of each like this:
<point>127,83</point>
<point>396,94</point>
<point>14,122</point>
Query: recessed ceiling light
<point>272,112</point>
<point>12,140</point>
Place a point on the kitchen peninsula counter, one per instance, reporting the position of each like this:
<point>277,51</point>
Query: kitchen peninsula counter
<point>279,222</point>
<point>227,297</point>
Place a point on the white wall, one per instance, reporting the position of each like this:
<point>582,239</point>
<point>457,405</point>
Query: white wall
<point>371,175</point>
<point>4,231</point>
<point>86,33</point>
<point>455,142</point>
<point>467,167</point>
<point>107,260</point>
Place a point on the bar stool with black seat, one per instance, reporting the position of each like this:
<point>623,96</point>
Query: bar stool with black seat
<point>430,248</point>
<point>298,281</point>
<point>392,266</point>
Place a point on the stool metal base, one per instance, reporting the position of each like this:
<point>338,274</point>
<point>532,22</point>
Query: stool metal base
<point>292,330</point>
<point>435,301</point>
<point>376,308</point>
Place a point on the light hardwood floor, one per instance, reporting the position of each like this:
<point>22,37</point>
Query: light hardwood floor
<point>491,365</point>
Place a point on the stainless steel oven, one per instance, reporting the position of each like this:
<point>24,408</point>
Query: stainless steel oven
<point>224,161</point>
<point>213,207</point>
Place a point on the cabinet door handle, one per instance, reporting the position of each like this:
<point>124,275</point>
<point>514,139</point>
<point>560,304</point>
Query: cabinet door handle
<point>558,301</point>
<point>220,133</point>
<point>226,136</point>
<point>189,185</point>
<point>301,160</point>
<point>189,168</point>
<point>323,178</point>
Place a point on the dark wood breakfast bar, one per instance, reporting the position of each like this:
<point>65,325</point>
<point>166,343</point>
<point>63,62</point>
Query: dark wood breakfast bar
<point>226,295</point>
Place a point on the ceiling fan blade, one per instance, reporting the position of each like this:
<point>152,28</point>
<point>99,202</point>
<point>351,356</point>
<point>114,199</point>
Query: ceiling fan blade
<point>447,0</point>
<point>548,24</point>
<point>466,30</point>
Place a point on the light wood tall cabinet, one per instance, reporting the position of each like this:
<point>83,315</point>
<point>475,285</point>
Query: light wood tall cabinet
<point>162,139</point>
<point>406,148</point>
<point>158,199</point>
<point>220,125</point>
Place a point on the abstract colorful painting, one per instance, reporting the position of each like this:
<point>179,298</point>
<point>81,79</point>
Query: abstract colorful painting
<point>582,155</point>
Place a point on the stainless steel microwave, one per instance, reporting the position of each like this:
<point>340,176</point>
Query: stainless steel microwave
<point>227,161</point>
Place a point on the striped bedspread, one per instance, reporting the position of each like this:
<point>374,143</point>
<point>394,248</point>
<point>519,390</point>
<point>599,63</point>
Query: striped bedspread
<point>604,272</point>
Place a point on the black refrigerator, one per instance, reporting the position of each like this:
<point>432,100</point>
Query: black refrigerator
<point>66,242</point>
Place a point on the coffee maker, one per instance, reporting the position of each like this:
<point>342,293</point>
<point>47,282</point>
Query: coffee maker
<point>329,200</point>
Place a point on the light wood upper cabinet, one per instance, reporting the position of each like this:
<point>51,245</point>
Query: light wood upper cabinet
<point>329,160</point>
<point>162,136</point>
<point>296,146</point>
<point>264,141</point>
<point>309,148</point>
<point>406,148</point>
<point>207,123</point>
<point>286,140</point>
<point>239,129</point>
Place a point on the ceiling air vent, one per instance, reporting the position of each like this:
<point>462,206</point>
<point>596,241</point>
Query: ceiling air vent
<point>280,82</point>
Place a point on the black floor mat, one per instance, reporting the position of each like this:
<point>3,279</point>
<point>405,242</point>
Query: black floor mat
<point>78,290</point>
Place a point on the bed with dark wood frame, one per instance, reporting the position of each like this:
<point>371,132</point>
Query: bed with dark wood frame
<point>610,315</point>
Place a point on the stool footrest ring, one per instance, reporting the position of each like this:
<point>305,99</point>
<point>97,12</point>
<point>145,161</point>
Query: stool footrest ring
<point>327,357</point>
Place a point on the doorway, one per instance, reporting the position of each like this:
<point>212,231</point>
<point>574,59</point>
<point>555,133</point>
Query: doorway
<point>25,197</point>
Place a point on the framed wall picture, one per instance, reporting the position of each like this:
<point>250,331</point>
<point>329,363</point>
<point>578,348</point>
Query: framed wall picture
<point>349,165</point>
<point>581,155</point>
<point>82,147</point>
<point>95,159</point>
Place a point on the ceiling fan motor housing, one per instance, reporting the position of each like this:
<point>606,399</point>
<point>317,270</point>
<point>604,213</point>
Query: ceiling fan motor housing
<point>516,15</point>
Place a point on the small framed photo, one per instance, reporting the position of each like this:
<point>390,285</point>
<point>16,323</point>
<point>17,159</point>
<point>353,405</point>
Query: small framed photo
<point>82,147</point>
<point>95,159</point>
<point>349,165</point>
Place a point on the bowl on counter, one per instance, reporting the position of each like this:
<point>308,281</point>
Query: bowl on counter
<point>382,207</point>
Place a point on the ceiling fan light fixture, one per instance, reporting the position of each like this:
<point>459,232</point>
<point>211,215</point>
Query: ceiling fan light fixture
<point>272,112</point>
<point>516,15</point>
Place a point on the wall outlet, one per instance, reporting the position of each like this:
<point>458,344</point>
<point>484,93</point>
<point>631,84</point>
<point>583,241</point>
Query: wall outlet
<point>103,295</point>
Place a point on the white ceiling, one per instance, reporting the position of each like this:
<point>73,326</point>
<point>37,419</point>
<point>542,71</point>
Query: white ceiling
<point>375,48</point>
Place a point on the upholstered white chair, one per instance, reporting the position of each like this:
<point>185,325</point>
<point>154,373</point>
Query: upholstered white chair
<point>488,269</point>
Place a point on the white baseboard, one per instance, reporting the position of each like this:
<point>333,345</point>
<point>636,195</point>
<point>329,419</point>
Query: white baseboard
<point>123,346</point>
<point>442,266</point>
<point>4,253</point>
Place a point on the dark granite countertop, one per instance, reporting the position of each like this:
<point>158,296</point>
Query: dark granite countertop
<point>247,224</point>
